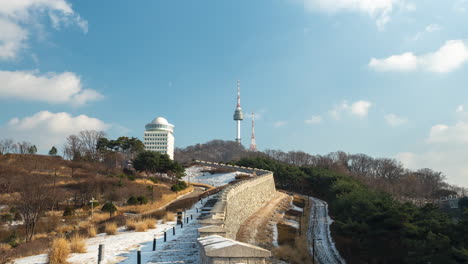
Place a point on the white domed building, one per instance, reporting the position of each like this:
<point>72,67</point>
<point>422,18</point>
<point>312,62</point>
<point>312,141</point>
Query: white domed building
<point>159,136</point>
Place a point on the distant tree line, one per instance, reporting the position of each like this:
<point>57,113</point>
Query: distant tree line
<point>370,226</point>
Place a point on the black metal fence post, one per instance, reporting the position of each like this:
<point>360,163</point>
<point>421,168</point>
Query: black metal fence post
<point>173,230</point>
<point>165,236</point>
<point>100,253</point>
<point>139,256</point>
<point>154,243</point>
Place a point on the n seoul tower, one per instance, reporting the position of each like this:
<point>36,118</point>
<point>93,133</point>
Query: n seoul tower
<point>238,115</point>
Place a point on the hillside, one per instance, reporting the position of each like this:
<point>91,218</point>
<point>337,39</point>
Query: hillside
<point>46,196</point>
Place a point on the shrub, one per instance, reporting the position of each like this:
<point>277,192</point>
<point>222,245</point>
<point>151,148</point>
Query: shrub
<point>132,200</point>
<point>153,179</point>
<point>142,199</point>
<point>179,186</point>
<point>109,207</point>
<point>77,244</point>
<point>150,223</point>
<point>141,226</point>
<point>131,224</point>
<point>170,216</point>
<point>69,211</point>
<point>110,228</point>
<point>92,231</point>
<point>59,251</point>
<point>131,177</point>
<point>5,253</point>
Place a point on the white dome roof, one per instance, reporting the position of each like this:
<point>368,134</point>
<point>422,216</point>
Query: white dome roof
<point>160,120</point>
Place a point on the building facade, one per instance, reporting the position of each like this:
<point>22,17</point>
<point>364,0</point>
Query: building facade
<point>159,137</point>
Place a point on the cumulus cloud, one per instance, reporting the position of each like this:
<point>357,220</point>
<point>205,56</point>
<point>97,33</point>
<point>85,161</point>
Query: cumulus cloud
<point>46,129</point>
<point>57,88</point>
<point>280,123</point>
<point>379,9</point>
<point>316,119</point>
<point>445,149</point>
<point>359,108</point>
<point>17,15</point>
<point>457,134</point>
<point>394,120</point>
<point>451,56</point>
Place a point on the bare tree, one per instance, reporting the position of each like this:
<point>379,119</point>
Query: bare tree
<point>89,140</point>
<point>34,197</point>
<point>7,146</point>
<point>23,147</point>
<point>73,148</point>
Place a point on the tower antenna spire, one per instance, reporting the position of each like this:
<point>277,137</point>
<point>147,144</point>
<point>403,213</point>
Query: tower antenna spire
<point>238,94</point>
<point>253,145</point>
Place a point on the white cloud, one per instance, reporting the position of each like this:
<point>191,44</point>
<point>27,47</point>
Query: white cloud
<point>57,88</point>
<point>381,10</point>
<point>394,120</point>
<point>451,56</point>
<point>433,27</point>
<point>46,129</point>
<point>316,119</point>
<point>358,108</point>
<point>460,108</point>
<point>280,123</point>
<point>16,16</point>
<point>456,134</point>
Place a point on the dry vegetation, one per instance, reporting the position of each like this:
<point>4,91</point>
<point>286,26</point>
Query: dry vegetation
<point>170,216</point>
<point>59,251</point>
<point>69,184</point>
<point>110,228</point>
<point>77,244</point>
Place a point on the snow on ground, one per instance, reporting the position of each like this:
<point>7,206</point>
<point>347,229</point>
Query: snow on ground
<point>319,230</point>
<point>194,174</point>
<point>121,248</point>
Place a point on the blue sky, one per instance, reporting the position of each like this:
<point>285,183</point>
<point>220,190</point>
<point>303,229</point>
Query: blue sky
<point>385,78</point>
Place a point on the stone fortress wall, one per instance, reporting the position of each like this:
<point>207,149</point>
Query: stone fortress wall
<point>235,204</point>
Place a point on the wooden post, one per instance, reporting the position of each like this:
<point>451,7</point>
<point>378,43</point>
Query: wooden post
<point>100,253</point>
<point>173,230</point>
<point>165,236</point>
<point>154,243</point>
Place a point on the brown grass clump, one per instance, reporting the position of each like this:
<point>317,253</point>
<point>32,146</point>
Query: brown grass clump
<point>5,253</point>
<point>77,244</point>
<point>39,236</point>
<point>111,228</point>
<point>65,229</point>
<point>170,216</point>
<point>92,231</point>
<point>141,226</point>
<point>59,251</point>
<point>150,223</point>
<point>131,224</point>
<point>99,217</point>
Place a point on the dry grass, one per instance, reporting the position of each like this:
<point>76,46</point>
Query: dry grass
<point>92,231</point>
<point>170,216</point>
<point>65,229</point>
<point>5,253</point>
<point>161,201</point>
<point>39,236</point>
<point>59,251</point>
<point>141,226</point>
<point>150,223</point>
<point>99,217</point>
<point>111,228</point>
<point>131,224</point>
<point>77,244</point>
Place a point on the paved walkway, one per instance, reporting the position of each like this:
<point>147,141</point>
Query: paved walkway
<point>179,248</point>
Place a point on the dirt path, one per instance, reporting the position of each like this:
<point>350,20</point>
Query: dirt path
<point>256,229</point>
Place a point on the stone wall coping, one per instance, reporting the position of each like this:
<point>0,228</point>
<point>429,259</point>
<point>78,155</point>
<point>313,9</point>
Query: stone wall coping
<point>221,247</point>
<point>212,229</point>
